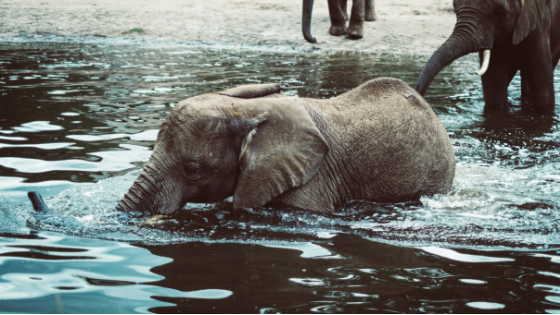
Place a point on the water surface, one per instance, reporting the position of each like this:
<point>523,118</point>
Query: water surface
<point>77,122</point>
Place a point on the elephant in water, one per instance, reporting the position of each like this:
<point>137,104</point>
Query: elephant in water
<point>520,34</point>
<point>361,10</point>
<point>380,142</point>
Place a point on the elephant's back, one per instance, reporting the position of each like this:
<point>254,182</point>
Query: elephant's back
<point>392,145</point>
<point>386,92</point>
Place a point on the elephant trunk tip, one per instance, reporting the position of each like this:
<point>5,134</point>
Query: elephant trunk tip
<point>37,202</point>
<point>125,205</point>
<point>309,38</point>
<point>421,89</point>
<point>306,21</point>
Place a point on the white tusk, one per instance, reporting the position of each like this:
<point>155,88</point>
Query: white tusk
<point>522,3</point>
<point>485,62</point>
<point>156,219</point>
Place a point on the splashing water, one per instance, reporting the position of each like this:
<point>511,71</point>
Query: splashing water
<point>504,193</point>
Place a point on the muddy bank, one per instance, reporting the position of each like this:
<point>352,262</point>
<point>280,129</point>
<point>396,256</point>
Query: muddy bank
<point>404,27</point>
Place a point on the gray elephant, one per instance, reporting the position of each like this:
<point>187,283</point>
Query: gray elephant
<point>361,10</point>
<point>521,34</point>
<point>380,142</point>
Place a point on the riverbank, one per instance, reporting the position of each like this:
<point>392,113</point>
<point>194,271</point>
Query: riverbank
<point>403,27</point>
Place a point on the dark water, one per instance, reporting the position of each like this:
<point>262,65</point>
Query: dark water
<point>77,121</point>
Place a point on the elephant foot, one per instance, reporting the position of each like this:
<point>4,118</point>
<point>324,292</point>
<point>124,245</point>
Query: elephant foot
<point>337,30</point>
<point>371,16</point>
<point>526,101</point>
<point>546,109</point>
<point>496,108</point>
<point>355,32</point>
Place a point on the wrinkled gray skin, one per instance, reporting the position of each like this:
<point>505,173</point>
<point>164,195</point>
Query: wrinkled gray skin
<point>525,38</point>
<point>380,142</point>
<point>361,10</point>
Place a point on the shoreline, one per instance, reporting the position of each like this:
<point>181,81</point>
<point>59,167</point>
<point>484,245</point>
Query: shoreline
<point>403,28</point>
<point>170,43</point>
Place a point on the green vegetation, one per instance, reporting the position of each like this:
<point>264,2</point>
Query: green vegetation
<point>138,30</point>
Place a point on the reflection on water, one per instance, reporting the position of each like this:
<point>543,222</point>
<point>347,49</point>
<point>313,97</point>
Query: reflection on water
<point>344,273</point>
<point>48,273</point>
<point>357,276</point>
<point>77,121</point>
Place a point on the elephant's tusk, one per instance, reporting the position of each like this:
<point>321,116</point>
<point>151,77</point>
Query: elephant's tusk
<point>154,220</point>
<point>522,3</point>
<point>485,62</point>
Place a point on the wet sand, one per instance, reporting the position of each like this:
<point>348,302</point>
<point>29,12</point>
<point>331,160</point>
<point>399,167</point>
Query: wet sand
<point>404,27</point>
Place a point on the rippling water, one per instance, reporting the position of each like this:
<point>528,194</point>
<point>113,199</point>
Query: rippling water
<point>77,121</point>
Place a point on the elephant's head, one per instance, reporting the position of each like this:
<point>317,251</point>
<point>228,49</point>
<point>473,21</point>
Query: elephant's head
<point>236,143</point>
<point>481,24</point>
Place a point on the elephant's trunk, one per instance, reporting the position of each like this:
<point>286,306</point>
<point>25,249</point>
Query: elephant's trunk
<point>138,197</point>
<point>306,21</point>
<point>155,190</point>
<point>470,35</point>
<point>452,49</point>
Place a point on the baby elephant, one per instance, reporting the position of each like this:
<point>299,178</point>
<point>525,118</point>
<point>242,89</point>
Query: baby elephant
<point>380,142</point>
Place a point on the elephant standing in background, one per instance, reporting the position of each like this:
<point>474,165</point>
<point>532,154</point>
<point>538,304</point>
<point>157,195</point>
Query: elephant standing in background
<point>380,142</point>
<point>361,10</point>
<point>520,34</point>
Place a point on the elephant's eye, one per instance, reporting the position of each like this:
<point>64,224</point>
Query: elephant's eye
<point>500,13</point>
<point>192,168</point>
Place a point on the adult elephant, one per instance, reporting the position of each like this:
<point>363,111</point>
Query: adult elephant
<point>361,10</point>
<point>521,35</point>
<point>380,142</point>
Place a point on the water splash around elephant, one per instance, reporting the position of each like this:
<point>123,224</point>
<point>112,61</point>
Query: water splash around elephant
<point>504,191</point>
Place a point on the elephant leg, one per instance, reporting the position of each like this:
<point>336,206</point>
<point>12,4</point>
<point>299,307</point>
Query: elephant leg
<point>525,88</point>
<point>338,23</point>
<point>540,72</point>
<point>555,59</point>
<point>370,11</point>
<point>356,28</point>
<point>495,82</point>
<point>344,8</point>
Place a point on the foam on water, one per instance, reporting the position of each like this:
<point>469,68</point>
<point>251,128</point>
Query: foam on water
<point>484,208</point>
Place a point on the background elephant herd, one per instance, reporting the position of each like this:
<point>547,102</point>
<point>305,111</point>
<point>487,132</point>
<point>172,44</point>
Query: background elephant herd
<point>379,142</point>
<point>509,35</point>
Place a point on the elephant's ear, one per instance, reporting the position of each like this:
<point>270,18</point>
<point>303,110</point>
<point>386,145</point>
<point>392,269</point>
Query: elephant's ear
<point>252,90</point>
<point>284,151</point>
<point>532,14</point>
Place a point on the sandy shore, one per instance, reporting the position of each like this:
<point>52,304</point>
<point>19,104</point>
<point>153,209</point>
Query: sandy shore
<point>404,27</point>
